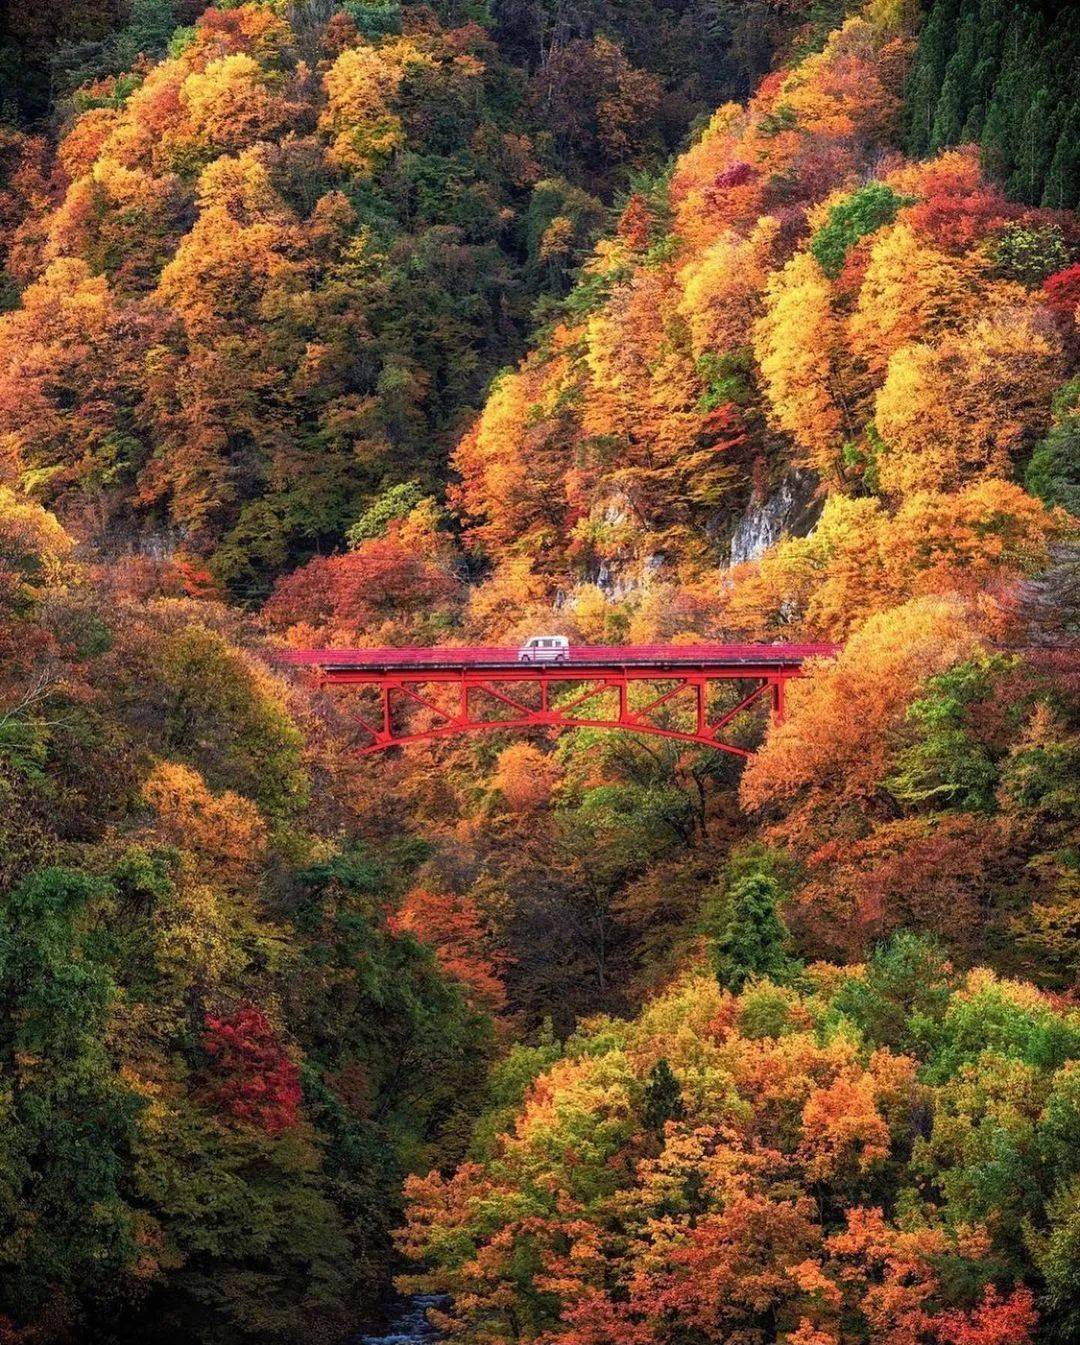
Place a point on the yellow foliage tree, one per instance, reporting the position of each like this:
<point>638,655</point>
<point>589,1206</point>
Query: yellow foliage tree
<point>722,288</point>
<point>68,367</point>
<point>33,543</point>
<point>798,343</point>
<point>911,292</point>
<point>360,87</point>
<point>959,410</point>
<point>232,102</point>
<point>510,603</point>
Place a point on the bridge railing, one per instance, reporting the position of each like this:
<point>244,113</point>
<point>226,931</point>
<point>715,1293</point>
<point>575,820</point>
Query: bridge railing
<point>651,655</point>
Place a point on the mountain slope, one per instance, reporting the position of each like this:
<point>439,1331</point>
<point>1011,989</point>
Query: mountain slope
<point>1002,75</point>
<point>304,237</point>
<point>786,1050</point>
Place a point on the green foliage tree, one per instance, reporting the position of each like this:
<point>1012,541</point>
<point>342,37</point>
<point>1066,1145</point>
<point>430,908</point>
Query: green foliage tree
<point>753,941</point>
<point>946,765</point>
<point>995,72</point>
<point>1053,472</point>
<point>903,994</point>
<point>395,1055</point>
<point>256,1241</point>
<point>224,716</point>
<point>150,26</point>
<point>392,504</point>
<point>510,1078</point>
<point>1030,254</point>
<point>1064,171</point>
<point>860,214</point>
<point>374,18</point>
<point>927,75</point>
<point>663,1098</point>
<point>68,1123</point>
<point>1058,1256</point>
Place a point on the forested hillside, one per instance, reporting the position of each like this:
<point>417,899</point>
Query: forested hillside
<point>304,240</point>
<point>219,1059</point>
<point>362,324</point>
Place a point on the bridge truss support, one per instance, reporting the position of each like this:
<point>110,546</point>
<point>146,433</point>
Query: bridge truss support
<point>698,703</point>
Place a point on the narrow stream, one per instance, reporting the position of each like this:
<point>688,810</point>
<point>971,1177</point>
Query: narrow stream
<point>411,1324</point>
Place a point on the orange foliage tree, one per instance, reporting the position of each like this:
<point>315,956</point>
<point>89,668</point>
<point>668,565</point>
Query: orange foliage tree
<point>225,830</point>
<point>455,928</point>
<point>832,750</point>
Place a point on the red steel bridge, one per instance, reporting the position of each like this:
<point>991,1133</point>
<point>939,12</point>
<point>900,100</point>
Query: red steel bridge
<point>689,693</point>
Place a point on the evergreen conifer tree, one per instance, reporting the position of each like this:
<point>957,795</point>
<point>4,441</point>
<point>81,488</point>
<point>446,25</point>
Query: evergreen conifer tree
<point>663,1097</point>
<point>755,939</point>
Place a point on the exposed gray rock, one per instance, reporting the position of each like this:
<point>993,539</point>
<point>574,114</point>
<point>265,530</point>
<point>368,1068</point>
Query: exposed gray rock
<point>792,508</point>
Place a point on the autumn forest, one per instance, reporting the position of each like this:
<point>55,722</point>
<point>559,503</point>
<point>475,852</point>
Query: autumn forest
<point>368,323</point>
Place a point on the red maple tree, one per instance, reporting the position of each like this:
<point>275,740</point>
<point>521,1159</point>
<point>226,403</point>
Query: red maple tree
<point>253,1078</point>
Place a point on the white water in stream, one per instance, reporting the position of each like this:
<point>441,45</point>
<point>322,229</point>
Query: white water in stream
<point>411,1324</point>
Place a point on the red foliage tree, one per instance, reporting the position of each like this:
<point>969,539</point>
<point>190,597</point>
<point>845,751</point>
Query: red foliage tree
<point>455,928</point>
<point>997,1320</point>
<point>1062,295</point>
<point>1062,290</point>
<point>956,209</point>
<point>381,580</point>
<point>253,1079</point>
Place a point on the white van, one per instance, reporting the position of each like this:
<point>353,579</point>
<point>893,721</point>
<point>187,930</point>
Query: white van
<point>545,649</point>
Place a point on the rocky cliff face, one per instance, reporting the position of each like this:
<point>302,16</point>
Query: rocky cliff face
<point>792,508</point>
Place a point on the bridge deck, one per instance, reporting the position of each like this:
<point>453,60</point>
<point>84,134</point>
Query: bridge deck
<point>581,657</point>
